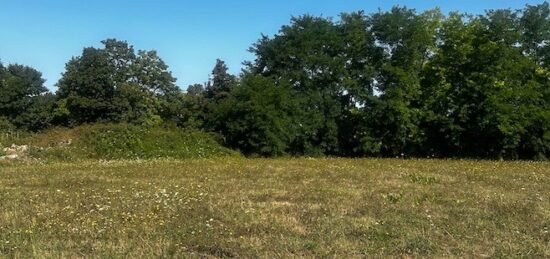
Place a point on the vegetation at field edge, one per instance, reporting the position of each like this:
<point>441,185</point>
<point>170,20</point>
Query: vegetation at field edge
<point>393,83</point>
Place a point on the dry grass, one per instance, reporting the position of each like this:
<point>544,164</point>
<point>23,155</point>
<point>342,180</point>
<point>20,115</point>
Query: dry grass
<point>275,208</point>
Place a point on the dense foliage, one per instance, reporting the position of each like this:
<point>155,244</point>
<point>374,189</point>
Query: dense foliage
<point>124,141</point>
<point>392,83</point>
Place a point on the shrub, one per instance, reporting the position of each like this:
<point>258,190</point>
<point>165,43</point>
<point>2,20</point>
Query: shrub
<point>123,141</point>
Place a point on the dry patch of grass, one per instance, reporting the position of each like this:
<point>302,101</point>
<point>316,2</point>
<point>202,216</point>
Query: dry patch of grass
<point>237,207</point>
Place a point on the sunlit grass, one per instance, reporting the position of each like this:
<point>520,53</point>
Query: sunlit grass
<point>275,208</point>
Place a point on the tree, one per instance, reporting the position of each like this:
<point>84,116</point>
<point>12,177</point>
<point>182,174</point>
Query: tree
<point>391,83</point>
<point>220,83</point>
<point>154,77</point>
<point>217,89</point>
<point>362,57</point>
<point>258,117</point>
<point>535,29</point>
<point>24,101</point>
<point>113,84</point>
<point>195,90</point>
<point>122,59</point>
<point>502,26</point>
<point>136,106</point>
<point>308,54</point>
<point>88,87</point>
<point>194,108</point>
<point>407,40</point>
<point>483,96</point>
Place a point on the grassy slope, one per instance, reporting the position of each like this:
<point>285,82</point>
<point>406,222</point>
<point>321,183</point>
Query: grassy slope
<point>121,141</point>
<point>275,208</point>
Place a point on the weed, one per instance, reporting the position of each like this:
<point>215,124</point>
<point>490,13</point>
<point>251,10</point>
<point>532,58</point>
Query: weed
<point>392,197</point>
<point>426,198</point>
<point>426,180</point>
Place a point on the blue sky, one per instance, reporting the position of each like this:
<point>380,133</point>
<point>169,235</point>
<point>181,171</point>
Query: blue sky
<point>189,35</point>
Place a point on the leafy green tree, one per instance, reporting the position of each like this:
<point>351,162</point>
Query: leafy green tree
<point>113,84</point>
<point>362,57</point>
<point>258,117</point>
<point>408,40</point>
<point>483,96</point>
<point>88,88</point>
<point>136,106</point>
<point>3,73</point>
<point>154,77</point>
<point>221,82</point>
<point>535,29</point>
<point>395,83</point>
<point>195,90</point>
<point>217,89</point>
<point>153,74</point>
<point>308,54</point>
<point>502,26</point>
<point>122,59</point>
<point>23,97</point>
<point>194,107</point>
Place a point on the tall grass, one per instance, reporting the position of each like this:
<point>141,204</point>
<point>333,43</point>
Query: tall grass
<point>123,141</point>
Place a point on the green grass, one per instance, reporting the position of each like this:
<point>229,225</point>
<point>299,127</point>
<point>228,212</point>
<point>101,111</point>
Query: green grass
<point>275,208</point>
<point>9,137</point>
<point>123,141</point>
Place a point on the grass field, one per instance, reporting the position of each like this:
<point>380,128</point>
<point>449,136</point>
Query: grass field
<point>239,207</point>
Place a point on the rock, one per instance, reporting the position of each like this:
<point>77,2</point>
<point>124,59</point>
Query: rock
<point>20,149</point>
<point>15,152</point>
<point>10,157</point>
<point>65,143</point>
<point>15,149</point>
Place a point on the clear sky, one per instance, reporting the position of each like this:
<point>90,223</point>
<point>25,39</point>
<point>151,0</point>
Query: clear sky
<point>189,35</point>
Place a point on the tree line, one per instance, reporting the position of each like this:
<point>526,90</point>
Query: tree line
<point>390,83</point>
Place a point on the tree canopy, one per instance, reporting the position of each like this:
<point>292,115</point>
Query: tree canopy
<point>114,84</point>
<point>391,83</point>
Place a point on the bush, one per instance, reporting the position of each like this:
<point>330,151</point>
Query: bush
<point>9,134</point>
<point>5,125</point>
<point>124,141</point>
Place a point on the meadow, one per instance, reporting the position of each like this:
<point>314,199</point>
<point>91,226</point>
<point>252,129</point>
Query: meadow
<point>237,207</point>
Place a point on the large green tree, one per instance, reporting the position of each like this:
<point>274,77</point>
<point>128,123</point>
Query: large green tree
<point>258,117</point>
<point>221,82</point>
<point>535,30</point>
<point>407,40</point>
<point>194,107</point>
<point>483,97</point>
<point>24,100</point>
<point>308,53</point>
<point>87,87</point>
<point>217,89</point>
<point>113,84</point>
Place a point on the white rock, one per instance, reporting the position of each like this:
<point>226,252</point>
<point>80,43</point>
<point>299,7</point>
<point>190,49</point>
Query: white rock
<point>23,148</point>
<point>10,157</point>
